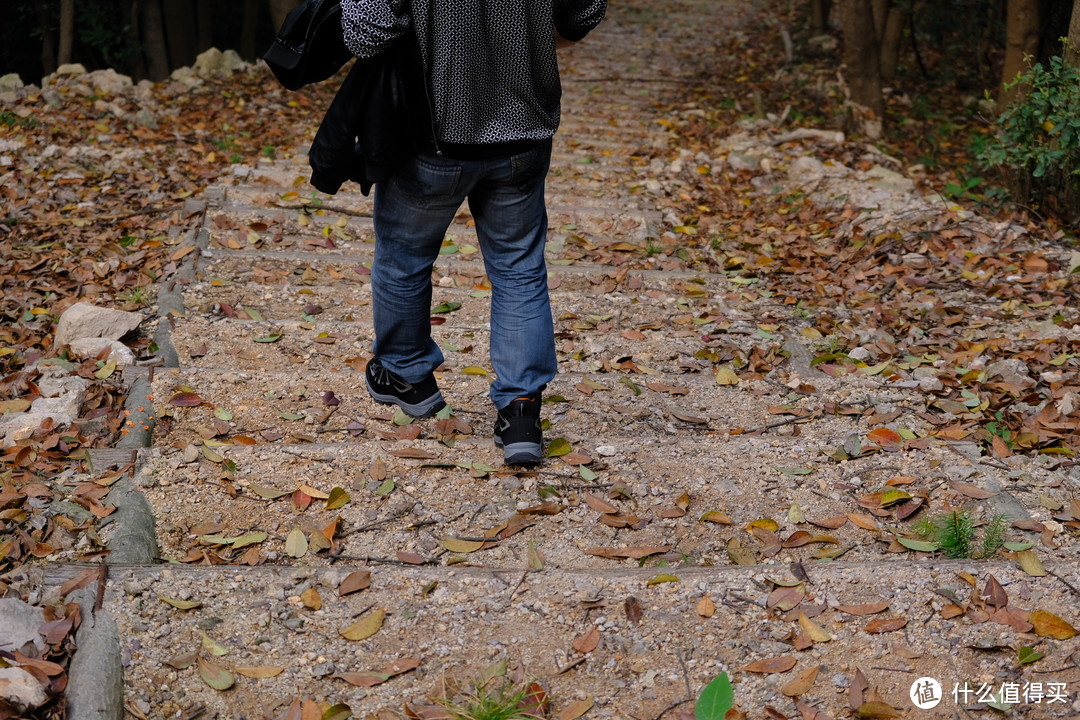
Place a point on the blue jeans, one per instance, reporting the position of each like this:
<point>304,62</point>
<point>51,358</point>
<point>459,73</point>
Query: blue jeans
<point>413,210</point>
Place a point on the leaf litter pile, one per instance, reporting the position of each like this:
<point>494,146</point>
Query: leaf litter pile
<point>96,188</point>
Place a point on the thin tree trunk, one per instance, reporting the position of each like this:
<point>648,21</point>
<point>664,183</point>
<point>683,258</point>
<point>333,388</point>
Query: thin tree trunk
<point>891,41</point>
<point>67,32</point>
<point>1021,39</point>
<point>179,20</point>
<point>154,40</point>
<point>862,68</point>
<point>48,48</point>
<point>819,15</point>
<point>204,26</point>
<point>247,33</point>
<point>138,62</point>
<point>881,14</point>
<point>1072,50</point>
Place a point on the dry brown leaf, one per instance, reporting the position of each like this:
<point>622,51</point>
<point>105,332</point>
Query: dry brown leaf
<point>575,709</point>
<point>802,683</point>
<point>705,607</point>
<point>971,491</point>
<point>813,631</point>
<point>355,581</point>
<point>772,665</point>
<point>885,625</point>
<point>865,609</point>
<point>599,505</point>
<point>587,642</point>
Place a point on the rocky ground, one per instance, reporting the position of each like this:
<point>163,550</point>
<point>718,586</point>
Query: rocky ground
<point>724,493</point>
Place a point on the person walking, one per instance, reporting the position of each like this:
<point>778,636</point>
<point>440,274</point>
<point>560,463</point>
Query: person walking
<point>491,82</point>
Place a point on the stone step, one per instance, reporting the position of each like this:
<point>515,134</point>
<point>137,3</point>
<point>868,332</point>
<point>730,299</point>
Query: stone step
<point>455,622</point>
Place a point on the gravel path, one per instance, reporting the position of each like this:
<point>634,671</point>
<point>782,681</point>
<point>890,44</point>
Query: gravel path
<point>625,571</point>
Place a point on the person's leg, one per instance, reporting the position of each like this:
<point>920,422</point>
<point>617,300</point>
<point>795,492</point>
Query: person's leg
<point>412,212</point>
<point>511,223</point>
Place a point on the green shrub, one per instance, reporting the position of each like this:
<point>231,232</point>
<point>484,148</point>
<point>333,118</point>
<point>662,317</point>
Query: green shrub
<point>1037,144</point>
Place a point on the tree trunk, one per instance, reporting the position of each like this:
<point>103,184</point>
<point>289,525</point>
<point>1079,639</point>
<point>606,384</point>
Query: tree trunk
<point>154,40</point>
<point>247,32</point>
<point>279,9</point>
<point>204,25</point>
<point>862,68</point>
<point>819,15</point>
<point>48,49</point>
<point>1072,51</point>
<point>1021,38</point>
<point>880,8</point>
<point>891,41</point>
<point>179,19</point>
<point>67,32</point>
<point>138,62</point>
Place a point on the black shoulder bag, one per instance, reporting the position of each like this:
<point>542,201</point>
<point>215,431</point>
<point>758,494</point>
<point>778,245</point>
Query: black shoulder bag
<point>310,46</point>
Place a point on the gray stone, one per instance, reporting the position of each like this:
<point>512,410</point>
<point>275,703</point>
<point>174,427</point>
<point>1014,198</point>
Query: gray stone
<point>19,623</point>
<point>214,62</point>
<point>83,320</point>
<point>21,689</point>
<point>63,409</point>
<point>90,347</point>
<point>890,180</point>
<point>109,82</point>
<point>1011,370</point>
<point>145,118</point>
<point>10,83</point>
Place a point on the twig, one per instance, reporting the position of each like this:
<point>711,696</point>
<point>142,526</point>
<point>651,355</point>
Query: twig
<point>780,423</point>
<point>520,582</point>
<point>671,707</point>
<point>383,561</point>
<point>194,712</point>
<point>378,523</point>
<point>1064,582</point>
<point>102,579</point>
<point>328,208</point>
<point>685,672</point>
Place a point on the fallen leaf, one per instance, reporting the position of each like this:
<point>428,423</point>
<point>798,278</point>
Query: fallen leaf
<point>185,399</point>
<point>813,630</point>
<point>705,607</point>
<point>886,439</point>
<point>587,642</point>
<point>1030,563</point>
<point>971,491</point>
<point>1048,624</point>
<point>311,599</point>
<point>296,544</point>
<point>259,672</point>
<point>377,677</point>
<point>661,578</point>
<point>461,546</point>
<point>885,625</point>
<point>865,609</point>
<point>181,604</point>
<point>366,626</point>
<point>215,676</point>
<point>802,683</point>
<point>772,665</point>
<point>575,709</point>
<point>354,582</point>
<point>599,505</point>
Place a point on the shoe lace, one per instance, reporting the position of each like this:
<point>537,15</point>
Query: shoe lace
<point>385,376</point>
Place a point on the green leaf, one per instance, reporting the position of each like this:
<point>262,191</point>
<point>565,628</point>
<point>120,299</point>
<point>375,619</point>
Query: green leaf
<point>1018,546</point>
<point>386,488</point>
<point>402,418</point>
<point>558,446</point>
<point>919,545</point>
<point>716,699</point>
<point>338,499</point>
<point>1028,655</point>
<point>795,470</point>
<point>215,676</point>
<point>291,416</point>
<point>223,414</point>
<point>446,307</point>
<point>271,338</point>
<point>586,474</point>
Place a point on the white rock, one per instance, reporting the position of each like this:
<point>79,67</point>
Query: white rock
<point>109,82</point>
<point>215,62</point>
<point>859,353</point>
<point>606,450</point>
<point>11,82</point>
<point>21,689</point>
<point>90,347</point>
<point>83,320</point>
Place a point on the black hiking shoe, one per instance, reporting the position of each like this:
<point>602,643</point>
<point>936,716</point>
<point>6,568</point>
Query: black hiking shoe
<point>418,400</point>
<point>517,431</point>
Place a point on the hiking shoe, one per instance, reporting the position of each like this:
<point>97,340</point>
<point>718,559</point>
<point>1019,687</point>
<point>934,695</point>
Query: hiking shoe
<point>418,400</point>
<point>517,431</point>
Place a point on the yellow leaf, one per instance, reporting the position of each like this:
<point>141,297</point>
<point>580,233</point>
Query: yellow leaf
<point>766,523</point>
<point>461,546</point>
<point>473,370</point>
<point>812,629</point>
<point>715,516</point>
<point>366,626</point>
<point>106,370</point>
<point>726,376</point>
<point>296,543</point>
<point>259,672</point>
<point>662,578</point>
<point>1031,564</point>
<point>1048,624</point>
<point>575,709</point>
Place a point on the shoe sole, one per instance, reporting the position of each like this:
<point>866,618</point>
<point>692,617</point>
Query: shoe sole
<point>520,453</point>
<point>423,409</point>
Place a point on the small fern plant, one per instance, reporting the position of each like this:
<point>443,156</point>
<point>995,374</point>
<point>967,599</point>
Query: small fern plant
<point>955,534</point>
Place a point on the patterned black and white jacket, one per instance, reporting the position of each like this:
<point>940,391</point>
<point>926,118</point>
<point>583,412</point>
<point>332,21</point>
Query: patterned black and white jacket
<point>491,68</point>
